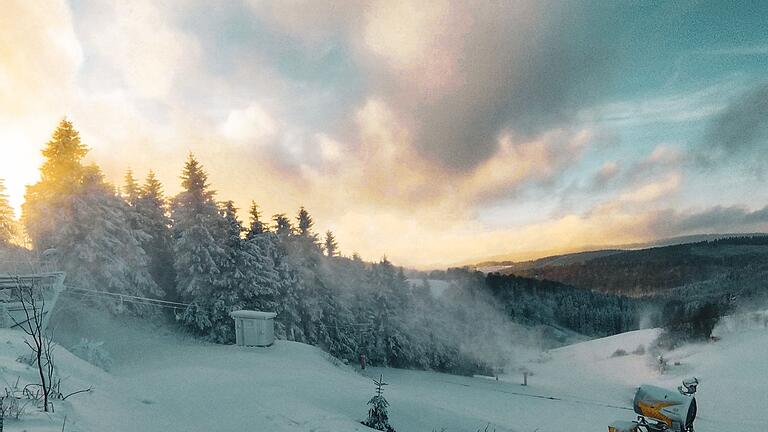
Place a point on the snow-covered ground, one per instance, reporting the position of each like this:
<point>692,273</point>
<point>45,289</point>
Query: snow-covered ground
<point>165,382</point>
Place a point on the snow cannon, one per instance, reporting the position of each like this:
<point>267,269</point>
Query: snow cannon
<point>662,410</point>
<point>674,409</point>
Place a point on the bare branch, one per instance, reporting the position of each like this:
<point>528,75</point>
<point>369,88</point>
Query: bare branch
<point>88,390</point>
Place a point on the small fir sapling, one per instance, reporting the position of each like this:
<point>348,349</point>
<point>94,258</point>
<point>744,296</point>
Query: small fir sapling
<point>378,417</point>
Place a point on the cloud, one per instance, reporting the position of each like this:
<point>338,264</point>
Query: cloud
<point>740,131</point>
<point>30,55</point>
<point>607,172</point>
<point>654,190</point>
<point>461,75</point>
<point>675,108</point>
<point>400,125</point>
<point>385,168</point>
<point>138,46</point>
<point>250,124</point>
<point>519,66</point>
<point>718,218</point>
<point>419,42</point>
<point>665,158</point>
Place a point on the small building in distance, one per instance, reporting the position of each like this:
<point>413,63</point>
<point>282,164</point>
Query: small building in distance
<point>254,328</point>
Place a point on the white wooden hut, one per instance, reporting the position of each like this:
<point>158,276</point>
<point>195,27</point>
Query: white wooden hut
<point>254,328</point>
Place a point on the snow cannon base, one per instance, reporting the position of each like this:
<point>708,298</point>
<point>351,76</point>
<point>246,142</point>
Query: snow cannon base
<point>623,426</point>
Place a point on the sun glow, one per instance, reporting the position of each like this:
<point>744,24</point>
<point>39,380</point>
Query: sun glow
<point>19,163</point>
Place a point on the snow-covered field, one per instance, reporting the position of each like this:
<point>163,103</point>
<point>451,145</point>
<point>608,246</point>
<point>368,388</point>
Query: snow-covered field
<point>164,382</point>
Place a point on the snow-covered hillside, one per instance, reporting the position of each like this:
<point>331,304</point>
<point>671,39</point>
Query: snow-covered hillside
<point>165,382</point>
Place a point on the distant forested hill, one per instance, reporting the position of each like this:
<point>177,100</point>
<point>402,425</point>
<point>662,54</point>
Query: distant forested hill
<point>533,302</point>
<point>709,265</point>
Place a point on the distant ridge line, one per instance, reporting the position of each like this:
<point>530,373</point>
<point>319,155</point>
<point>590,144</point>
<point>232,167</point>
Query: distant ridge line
<point>597,251</point>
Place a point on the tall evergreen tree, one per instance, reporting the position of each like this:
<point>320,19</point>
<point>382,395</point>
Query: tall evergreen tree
<point>256,226</point>
<point>288,321</point>
<point>390,344</point>
<point>130,188</point>
<point>98,248</point>
<point>152,210</point>
<point>47,203</point>
<point>73,210</point>
<point>305,223</point>
<point>283,227</point>
<point>252,278</point>
<point>199,255</point>
<point>7,223</point>
<point>330,245</point>
<point>62,169</point>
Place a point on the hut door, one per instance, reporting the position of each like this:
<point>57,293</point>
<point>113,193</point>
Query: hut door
<point>260,331</point>
<point>252,333</point>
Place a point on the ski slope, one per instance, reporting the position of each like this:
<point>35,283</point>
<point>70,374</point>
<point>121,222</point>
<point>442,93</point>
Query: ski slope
<point>165,382</point>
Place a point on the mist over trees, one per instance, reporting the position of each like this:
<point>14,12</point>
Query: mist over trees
<point>193,248</point>
<point>7,224</point>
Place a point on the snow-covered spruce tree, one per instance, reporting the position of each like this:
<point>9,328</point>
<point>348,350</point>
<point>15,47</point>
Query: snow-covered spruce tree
<point>330,244</point>
<point>378,415</point>
<point>288,322</point>
<point>48,204</point>
<point>337,331</point>
<point>99,249</point>
<point>151,210</point>
<point>256,226</point>
<point>325,318</point>
<point>7,224</point>
<point>199,255</point>
<point>73,210</point>
<point>388,306</point>
<point>305,224</point>
<point>283,227</point>
<point>305,257</point>
<point>130,188</point>
<point>249,272</point>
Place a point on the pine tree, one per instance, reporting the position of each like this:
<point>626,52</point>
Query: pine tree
<point>199,255</point>
<point>62,170</point>
<point>7,223</point>
<point>378,416</point>
<point>250,276</point>
<point>130,188</point>
<point>73,210</point>
<point>288,322</point>
<point>305,222</point>
<point>47,204</point>
<point>305,226</point>
<point>256,226</point>
<point>387,311</point>
<point>330,244</point>
<point>98,248</point>
<point>283,227</point>
<point>152,208</point>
